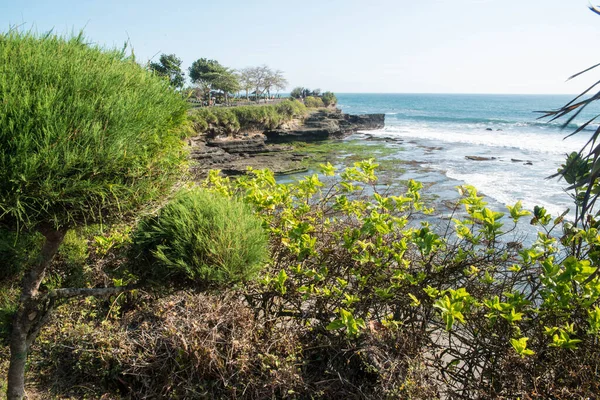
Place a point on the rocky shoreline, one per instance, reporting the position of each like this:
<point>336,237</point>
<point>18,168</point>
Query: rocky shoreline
<point>272,148</point>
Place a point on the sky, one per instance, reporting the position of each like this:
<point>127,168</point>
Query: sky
<point>348,46</point>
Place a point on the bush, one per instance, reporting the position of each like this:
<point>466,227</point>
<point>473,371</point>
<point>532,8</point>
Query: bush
<point>313,102</point>
<point>202,238</point>
<point>230,121</point>
<point>85,133</point>
<point>291,108</point>
<point>329,99</point>
<point>349,260</point>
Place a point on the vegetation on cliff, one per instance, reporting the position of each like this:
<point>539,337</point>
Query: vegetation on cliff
<point>229,121</point>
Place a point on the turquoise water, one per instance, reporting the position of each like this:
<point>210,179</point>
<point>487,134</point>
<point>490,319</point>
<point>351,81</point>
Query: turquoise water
<point>438,132</point>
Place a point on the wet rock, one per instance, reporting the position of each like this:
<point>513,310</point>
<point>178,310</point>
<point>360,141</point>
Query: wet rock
<point>479,158</point>
<point>488,129</point>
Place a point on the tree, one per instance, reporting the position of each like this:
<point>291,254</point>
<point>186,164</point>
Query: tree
<point>86,135</point>
<point>169,66</point>
<point>275,80</point>
<point>258,76</point>
<point>297,92</point>
<point>227,83</point>
<point>246,81</point>
<point>329,99</point>
<point>581,171</point>
<point>214,76</point>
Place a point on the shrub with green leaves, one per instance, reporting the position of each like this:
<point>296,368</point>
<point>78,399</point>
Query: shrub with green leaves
<point>329,99</point>
<point>492,315</point>
<point>203,238</point>
<point>314,102</point>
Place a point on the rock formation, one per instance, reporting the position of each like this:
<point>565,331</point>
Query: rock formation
<point>326,124</point>
<point>232,155</point>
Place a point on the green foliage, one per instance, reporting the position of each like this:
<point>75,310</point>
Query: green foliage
<point>313,102</point>
<point>297,92</point>
<point>85,133</point>
<point>201,238</point>
<point>329,99</point>
<point>169,66</point>
<point>17,250</point>
<point>231,120</point>
<point>348,258</point>
<point>291,109</point>
<point>214,76</point>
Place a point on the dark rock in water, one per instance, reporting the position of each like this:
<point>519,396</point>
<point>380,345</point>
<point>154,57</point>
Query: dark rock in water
<point>326,124</point>
<point>525,162</point>
<point>488,129</point>
<point>478,158</point>
<point>371,138</point>
<point>498,130</point>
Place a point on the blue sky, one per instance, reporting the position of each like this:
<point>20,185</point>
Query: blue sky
<point>431,46</point>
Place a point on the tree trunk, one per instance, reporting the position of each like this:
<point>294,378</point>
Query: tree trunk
<point>30,314</point>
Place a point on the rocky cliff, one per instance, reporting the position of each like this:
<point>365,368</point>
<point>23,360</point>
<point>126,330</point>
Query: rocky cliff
<point>325,124</point>
<point>233,155</point>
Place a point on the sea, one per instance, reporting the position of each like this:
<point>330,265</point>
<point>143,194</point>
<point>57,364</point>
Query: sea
<point>493,142</point>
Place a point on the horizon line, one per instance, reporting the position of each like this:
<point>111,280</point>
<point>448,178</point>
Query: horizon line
<point>467,93</point>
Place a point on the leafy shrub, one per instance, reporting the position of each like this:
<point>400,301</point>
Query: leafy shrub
<point>291,108</point>
<point>329,99</point>
<point>313,102</point>
<point>350,259</point>
<point>204,238</point>
<point>365,295</point>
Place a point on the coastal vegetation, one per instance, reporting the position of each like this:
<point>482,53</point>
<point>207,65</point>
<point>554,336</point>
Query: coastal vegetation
<point>139,283</point>
<point>314,98</point>
<point>86,136</point>
<point>229,121</point>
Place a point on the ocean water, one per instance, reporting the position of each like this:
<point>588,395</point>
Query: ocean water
<point>437,132</point>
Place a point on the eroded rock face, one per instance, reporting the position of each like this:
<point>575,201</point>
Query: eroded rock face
<point>232,155</point>
<point>326,124</point>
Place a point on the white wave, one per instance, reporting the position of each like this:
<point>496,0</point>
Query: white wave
<point>530,140</point>
<point>507,189</point>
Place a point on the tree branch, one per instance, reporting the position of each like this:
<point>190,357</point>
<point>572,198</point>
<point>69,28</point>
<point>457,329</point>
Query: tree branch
<point>66,293</point>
